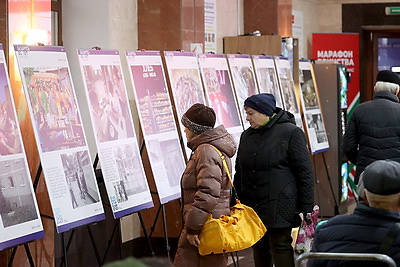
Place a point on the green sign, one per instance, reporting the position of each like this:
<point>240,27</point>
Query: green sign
<point>393,10</point>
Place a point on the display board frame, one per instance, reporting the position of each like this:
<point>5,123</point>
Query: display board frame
<point>185,84</point>
<point>116,141</point>
<point>157,122</point>
<point>243,80</point>
<point>267,77</point>
<point>290,101</point>
<point>311,106</point>
<point>20,220</point>
<point>59,135</point>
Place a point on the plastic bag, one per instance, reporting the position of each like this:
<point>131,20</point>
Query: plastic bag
<point>306,232</point>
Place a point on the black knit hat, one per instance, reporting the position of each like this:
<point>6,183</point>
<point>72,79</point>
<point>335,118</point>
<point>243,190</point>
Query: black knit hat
<point>264,103</point>
<point>388,76</point>
<point>199,118</point>
<point>382,177</point>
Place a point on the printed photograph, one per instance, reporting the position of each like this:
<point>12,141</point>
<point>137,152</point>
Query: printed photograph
<point>244,80</point>
<point>132,178</point>
<point>154,104</point>
<point>186,88</point>
<point>9,134</point>
<point>308,90</point>
<point>245,86</point>
<point>220,94</point>
<point>80,179</point>
<point>268,83</point>
<point>288,93</point>
<point>109,105</point>
<point>54,108</point>
<point>173,161</point>
<point>16,199</point>
<point>314,122</point>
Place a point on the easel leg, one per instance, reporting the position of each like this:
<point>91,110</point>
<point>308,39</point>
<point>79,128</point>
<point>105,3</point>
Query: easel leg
<point>145,234</point>
<point>166,232</point>
<point>116,226</point>
<point>64,248</point>
<point>14,251</point>
<point>316,181</point>
<point>155,221</point>
<point>93,244</point>
<point>29,255</point>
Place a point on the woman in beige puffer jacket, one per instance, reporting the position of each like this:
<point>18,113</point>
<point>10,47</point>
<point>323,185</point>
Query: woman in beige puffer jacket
<point>205,184</point>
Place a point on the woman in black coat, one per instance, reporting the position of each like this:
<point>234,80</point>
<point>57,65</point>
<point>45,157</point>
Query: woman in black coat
<point>274,176</point>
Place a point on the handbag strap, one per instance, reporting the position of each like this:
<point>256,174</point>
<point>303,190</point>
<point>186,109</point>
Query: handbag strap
<point>227,170</point>
<point>389,238</point>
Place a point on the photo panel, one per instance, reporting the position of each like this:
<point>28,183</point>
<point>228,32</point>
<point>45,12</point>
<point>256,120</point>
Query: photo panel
<point>266,76</point>
<point>218,88</point>
<point>315,126</point>
<point>59,135</point>
<point>20,220</point>
<point>117,147</point>
<point>244,81</point>
<point>288,92</point>
<point>157,122</point>
<point>186,87</point>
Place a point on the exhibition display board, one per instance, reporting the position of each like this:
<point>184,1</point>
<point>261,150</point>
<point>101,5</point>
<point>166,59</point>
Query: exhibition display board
<point>315,126</point>
<point>285,79</point>
<point>220,95</point>
<point>19,213</point>
<point>219,91</point>
<point>266,75</point>
<point>244,81</point>
<point>186,86</point>
<point>60,137</point>
<point>117,147</point>
<point>157,122</point>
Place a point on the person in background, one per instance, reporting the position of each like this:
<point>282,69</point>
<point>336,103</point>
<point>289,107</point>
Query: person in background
<point>274,176</point>
<point>205,184</point>
<point>374,227</point>
<point>373,131</point>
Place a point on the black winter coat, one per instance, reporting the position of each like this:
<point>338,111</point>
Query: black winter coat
<point>361,232</point>
<point>373,132</point>
<point>274,174</point>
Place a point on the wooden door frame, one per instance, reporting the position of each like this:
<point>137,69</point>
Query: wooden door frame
<point>369,41</point>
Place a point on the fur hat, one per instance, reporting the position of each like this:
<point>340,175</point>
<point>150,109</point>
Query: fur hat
<point>382,177</point>
<point>199,118</point>
<point>264,103</point>
<point>388,76</point>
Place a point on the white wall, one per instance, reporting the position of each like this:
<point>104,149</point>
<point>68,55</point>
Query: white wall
<point>229,20</point>
<point>109,24</point>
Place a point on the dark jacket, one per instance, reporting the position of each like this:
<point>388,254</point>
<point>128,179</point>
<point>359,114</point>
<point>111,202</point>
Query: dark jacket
<point>274,174</point>
<point>205,189</point>
<point>373,132</point>
<point>360,232</point>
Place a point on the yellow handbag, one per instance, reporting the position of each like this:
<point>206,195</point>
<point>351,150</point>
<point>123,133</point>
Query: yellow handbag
<point>241,230</point>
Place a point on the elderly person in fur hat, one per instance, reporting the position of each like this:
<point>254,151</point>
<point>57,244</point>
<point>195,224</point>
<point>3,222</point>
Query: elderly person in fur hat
<point>205,184</point>
<point>373,131</point>
<point>274,176</point>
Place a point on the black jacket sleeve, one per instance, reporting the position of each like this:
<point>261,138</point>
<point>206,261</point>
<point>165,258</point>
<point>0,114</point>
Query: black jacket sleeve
<point>300,163</point>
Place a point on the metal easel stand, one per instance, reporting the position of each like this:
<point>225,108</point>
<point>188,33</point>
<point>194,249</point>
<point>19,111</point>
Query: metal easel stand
<point>160,208</point>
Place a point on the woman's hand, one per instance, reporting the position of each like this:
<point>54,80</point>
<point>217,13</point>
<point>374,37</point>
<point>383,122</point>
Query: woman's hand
<point>193,240</point>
